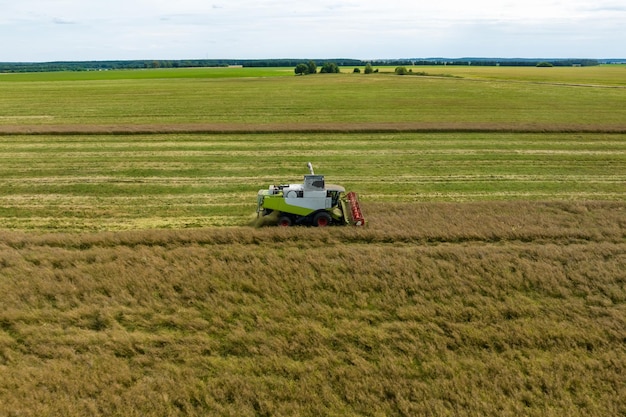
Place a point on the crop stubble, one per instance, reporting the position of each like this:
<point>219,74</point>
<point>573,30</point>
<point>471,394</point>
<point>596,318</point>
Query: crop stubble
<point>116,182</point>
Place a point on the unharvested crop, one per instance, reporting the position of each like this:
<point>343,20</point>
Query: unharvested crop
<point>435,309</point>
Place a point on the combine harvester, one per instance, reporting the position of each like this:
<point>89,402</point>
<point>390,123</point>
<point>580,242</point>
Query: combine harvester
<point>311,203</point>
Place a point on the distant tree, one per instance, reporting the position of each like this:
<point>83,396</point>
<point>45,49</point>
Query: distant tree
<point>357,70</point>
<point>544,64</point>
<point>312,67</point>
<point>301,69</point>
<point>368,68</point>
<point>401,71</point>
<point>329,68</point>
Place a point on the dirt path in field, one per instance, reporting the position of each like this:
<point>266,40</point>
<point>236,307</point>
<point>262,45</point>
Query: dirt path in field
<point>356,127</point>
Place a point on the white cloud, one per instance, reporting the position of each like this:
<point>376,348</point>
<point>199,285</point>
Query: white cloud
<point>41,30</point>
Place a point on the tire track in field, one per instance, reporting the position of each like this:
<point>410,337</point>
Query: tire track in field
<point>341,127</point>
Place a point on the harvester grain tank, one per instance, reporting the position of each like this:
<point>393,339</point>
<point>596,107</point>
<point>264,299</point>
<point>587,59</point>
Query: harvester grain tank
<point>311,203</point>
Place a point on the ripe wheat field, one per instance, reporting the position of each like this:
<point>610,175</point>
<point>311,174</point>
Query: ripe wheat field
<point>492,308</point>
<point>489,279</point>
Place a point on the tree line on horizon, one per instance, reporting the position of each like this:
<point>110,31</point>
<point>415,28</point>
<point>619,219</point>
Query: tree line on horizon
<point>195,63</point>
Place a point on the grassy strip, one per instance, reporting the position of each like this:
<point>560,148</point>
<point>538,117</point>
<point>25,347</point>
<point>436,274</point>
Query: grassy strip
<point>147,74</point>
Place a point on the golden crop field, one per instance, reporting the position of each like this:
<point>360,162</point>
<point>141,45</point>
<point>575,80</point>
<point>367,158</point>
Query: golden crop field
<point>489,280</point>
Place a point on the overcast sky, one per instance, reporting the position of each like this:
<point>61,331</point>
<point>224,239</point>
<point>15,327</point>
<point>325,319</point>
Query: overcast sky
<point>55,30</point>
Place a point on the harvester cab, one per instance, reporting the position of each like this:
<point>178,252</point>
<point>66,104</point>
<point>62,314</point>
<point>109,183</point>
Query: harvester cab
<point>311,203</point>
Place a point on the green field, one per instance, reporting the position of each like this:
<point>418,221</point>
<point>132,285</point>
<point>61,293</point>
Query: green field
<point>590,98</point>
<point>489,279</point>
<point>117,182</point>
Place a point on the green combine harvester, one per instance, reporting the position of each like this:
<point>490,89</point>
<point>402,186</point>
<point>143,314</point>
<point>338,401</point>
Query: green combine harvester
<point>311,203</point>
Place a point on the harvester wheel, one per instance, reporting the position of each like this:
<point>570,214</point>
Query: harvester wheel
<point>284,221</point>
<point>322,219</point>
